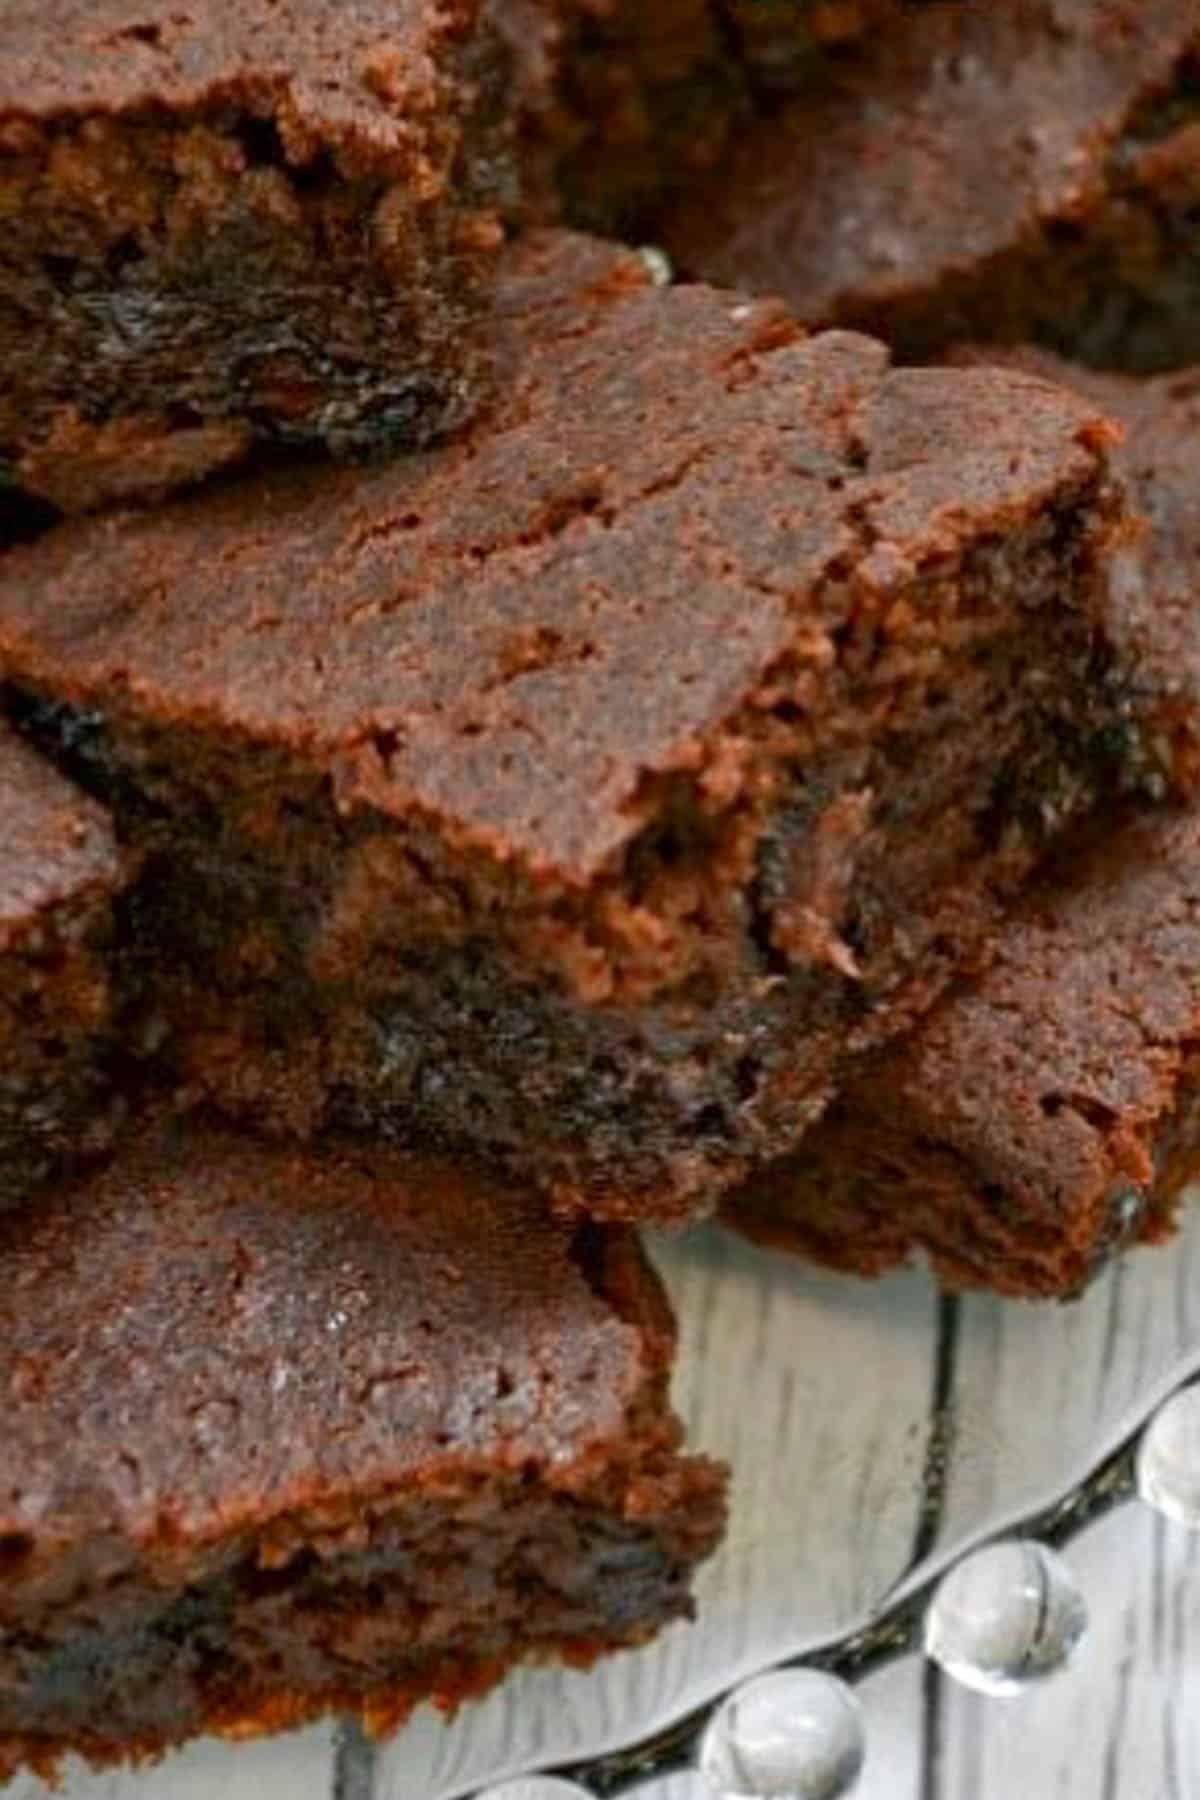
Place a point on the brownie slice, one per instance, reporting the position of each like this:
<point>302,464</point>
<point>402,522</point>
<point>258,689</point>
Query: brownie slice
<point>60,871</point>
<point>1040,1119</point>
<point>238,219</point>
<point>1015,171</point>
<point>262,1460</point>
<point>1052,1112</point>
<point>590,790</point>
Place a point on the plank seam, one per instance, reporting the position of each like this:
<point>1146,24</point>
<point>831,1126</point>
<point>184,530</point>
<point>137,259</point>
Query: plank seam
<point>354,1759</point>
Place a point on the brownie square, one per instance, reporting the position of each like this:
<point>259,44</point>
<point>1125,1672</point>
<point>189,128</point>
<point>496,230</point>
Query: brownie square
<point>1042,1118</point>
<point>263,1459</point>
<point>591,790</point>
<point>237,220</point>
<point>1050,1113</point>
<point>60,871</point>
<point>1006,171</point>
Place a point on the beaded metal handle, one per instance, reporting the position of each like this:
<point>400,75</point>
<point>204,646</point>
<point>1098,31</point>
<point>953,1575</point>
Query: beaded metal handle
<point>1001,1617</point>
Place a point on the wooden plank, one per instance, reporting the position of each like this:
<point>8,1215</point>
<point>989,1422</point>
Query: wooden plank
<point>684,1786</point>
<point>1121,1723</point>
<point>892,1703</point>
<point>1039,1392</point>
<point>817,1390</point>
<point>296,1767</point>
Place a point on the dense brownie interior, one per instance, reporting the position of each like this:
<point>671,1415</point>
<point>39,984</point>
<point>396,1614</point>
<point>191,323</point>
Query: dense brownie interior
<point>618,104</point>
<point>232,222</point>
<point>649,758</point>
<point>784,45</point>
<point>261,1458</point>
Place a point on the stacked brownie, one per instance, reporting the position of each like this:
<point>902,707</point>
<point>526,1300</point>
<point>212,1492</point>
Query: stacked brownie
<point>227,222</point>
<point>590,791</point>
<point>1050,1113</point>
<point>507,747</point>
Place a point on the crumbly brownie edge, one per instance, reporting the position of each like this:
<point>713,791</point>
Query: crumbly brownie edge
<point>56,990</point>
<point>1118,290</point>
<point>582,1578</point>
<point>1124,291</point>
<point>1151,611</point>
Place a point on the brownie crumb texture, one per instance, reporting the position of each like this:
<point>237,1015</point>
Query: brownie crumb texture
<point>1151,607</point>
<point>622,108</point>
<point>1040,1121</point>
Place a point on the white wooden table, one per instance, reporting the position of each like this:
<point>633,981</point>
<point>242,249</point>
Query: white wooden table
<point>871,1429</point>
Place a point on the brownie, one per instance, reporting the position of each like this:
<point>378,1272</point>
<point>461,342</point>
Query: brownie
<point>59,875</point>
<point>261,1460</point>
<point>1010,172</point>
<point>238,220</point>
<point>1038,1120</point>
<point>1051,1112</point>
<point>590,790</point>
